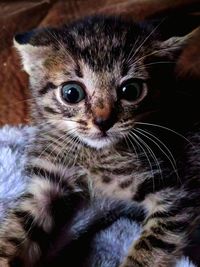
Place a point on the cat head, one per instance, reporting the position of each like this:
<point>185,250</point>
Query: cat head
<point>91,78</point>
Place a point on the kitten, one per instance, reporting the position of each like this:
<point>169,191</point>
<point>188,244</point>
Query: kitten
<point>100,87</point>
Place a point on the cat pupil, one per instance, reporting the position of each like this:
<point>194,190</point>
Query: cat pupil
<point>73,94</point>
<point>131,91</point>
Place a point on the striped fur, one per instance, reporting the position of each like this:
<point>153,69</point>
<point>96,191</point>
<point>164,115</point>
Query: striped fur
<point>70,162</point>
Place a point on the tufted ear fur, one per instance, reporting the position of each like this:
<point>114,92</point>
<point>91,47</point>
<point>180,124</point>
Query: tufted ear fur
<point>32,54</point>
<point>173,46</point>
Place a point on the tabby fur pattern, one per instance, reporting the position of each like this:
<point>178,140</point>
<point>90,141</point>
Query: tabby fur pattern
<point>138,157</point>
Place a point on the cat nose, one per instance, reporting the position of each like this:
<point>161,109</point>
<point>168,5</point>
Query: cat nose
<point>103,124</point>
<point>105,121</point>
<point>104,118</point>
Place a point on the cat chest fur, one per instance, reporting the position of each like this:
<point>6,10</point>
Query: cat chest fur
<point>116,174</point>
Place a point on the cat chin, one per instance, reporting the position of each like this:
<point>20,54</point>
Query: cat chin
<point>98,143</point>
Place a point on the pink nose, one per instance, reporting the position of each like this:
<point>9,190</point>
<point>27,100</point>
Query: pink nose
<point>104,118</point>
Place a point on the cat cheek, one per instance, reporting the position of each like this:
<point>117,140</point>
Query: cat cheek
<point>82,126</point>
<point>90,126</point>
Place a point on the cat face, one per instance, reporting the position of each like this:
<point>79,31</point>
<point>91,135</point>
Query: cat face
<point>98,109</point>
<point>91,79</point>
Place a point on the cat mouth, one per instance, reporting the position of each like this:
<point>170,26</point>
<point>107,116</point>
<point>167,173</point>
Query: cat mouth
<point>100,136</point>
<point>98,141</point>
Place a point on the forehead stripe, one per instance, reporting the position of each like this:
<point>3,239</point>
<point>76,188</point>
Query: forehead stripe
<point>78,71</point>
<point>49,86</point>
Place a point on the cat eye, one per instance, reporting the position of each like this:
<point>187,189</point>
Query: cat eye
<point>131,90</point>
<point>72,92</point>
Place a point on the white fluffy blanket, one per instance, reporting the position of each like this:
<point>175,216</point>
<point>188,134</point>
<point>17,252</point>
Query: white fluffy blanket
<point>109,246</point>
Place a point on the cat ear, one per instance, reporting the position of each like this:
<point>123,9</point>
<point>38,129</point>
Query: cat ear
<point>32,55</point>
<point>174,45</point>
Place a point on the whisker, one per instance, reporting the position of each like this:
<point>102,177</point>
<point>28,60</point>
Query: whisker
<point>61,44</point>
<point>129,139</point>
<point>153,63</point>
<point>124,136</point>
<point>77,142</point>
<point>151,153</point>
<point>132,135</point>
<point>48,125</point>
<point>173,163</point>
<point>57,144</point>
<point>46,129</point>
<point>152,53</point>
<point>129,55</point>
<point>168,129</point>
<point>64,143</point>
<point>162,143</point>
<point>148,36</point>
<point>159,62</point>
<point>134,148</point>
<point>23,101</point>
